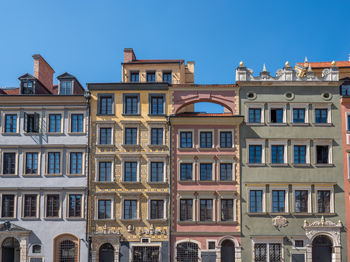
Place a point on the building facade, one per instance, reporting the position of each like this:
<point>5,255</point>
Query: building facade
<point>292,187</point>
<point>43,166</point>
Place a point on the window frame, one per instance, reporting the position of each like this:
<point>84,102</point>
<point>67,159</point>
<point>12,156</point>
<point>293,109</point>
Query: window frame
<point>327,106</point>
<point>263,200</point>
<point>131,72</point>
<point>165,210</point>
<point>213,145</point>
<point>125,95</point>
<point>186,196</point>
<point>99,159</point>
<point>286,198</point>
<point>149,73</point>
<point>206,196</point>
<point>228,196</point>
<point>213,169</point>
<point>37,212</point>
<point>268,242</point>
<point>138,169</point>
<point>232,137</point>
<point>260,106</point>
<point>3,122</point>
<point>52,150</point>
<point>167,72</point>
<point>150,96</point>
<point>304,106</point>
<point>3,151</point>
<point>283,143</point>
<point>70,114</point>
<point>179,131</point>
<point>46,194</point>
<point>68,161</point>
<point>165,168</point>
<point>186,161</point>
<point>323,142</point>
<point>15,203</point>
<point>82,205</point>
<point>98,128</point>
<point>260,142</point>
<point>105,95</point>
<point>133,197</point>
<point>32,112</point>
<point>224,160</point>
<point>24,161</point>
<point>282,106</point>
<point>156,126</point>
<point>331,198</point>
<point>104,197</point>
<point>71,87</point>
<point>301,142</point>
<point>309,206</point>
<point>48,113</point>
<point>137,135</point>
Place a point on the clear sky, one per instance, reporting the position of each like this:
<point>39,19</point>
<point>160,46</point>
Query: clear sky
<point>86,38</point>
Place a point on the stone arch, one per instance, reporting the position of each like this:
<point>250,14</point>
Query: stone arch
<point>57,246</point>
<point>327,234</point>
<point>99,240</point>
<point>238,248</point>
<point>108,253</point>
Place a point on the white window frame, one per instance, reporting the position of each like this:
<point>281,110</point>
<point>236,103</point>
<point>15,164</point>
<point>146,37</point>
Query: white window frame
<point>347,114</point>
<point>331,200</point>
<point>323,142</point>
<point>3,122</point>
<point>188,160</point>
<point>24,160</point>
<point>46,193</point>
<point>81,112</point>
<point>219,137</point>
<point>206,160</point>
<point>263,204</point>
<point>9,150</point>
<point>210,196</point>
<point>14,193</point>
<point>82,205</point>
<point>179,139</point>
<point>304,106</point>
<point>104,197</point>
<point>186,195</point>
<point>165,209</point>
<point>156,125</point>
<point>165,169</point>
<point>213,145</point>
<point>228,195</point>
<point>261,106</point>
<point>138,169</point>
<point>103,124</point>
<point>256,142</point>
<point>283,143</point>
<point>83,164</point>
<point>301,142</point>
<point>286,199</point>
<point>97,169</point>
<point>211,240</point>
<point>138,205</point>
<point>52,150</point>
<point>267,241</point>
<point>38,196</point>
<point>327,106</point>
<point>48,113</point>
<point>309,200</point>
<point>283,106</point>
<point>226,160</point>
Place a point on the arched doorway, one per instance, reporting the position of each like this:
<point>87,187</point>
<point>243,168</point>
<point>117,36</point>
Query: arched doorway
<point>227,251</point>
<point>106,253</point>
<point>10,250</point>
<point>187,252</point>
<point>322,249</point>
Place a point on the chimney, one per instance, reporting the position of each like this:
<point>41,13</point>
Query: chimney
<point>129,55</point>
<point>43,71</point>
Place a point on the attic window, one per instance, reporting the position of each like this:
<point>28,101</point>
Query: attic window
<point>27,87</point>
<point>65,87</point>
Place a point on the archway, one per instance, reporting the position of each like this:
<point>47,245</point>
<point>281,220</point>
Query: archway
<point>322,249</point>
<point>227,251</point>
<point>10,250</point>
<point>66,248</point>
<point>106,253</point>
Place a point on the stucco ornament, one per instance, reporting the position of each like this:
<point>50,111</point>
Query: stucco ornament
<point>104,230</point>
<point>280,222</point>
<point>152,231</point>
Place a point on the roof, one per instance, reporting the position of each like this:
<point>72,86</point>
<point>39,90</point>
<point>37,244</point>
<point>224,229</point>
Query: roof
<point>12,91</point>
<point>155,61</point>
<point>326,64</point>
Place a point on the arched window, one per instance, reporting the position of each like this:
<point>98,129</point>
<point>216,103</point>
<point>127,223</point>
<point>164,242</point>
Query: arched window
<point>187,252</point>
<point>66,248</point>
<point>36,249</point>
<point>67,251</point>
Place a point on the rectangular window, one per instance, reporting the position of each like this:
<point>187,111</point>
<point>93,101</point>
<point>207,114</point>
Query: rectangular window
<point>31,163</point>
<point>8,206</point>
<point>255,201</point>
<point>105,104</point>
<point>75,205</point>
<point>277,154</point>
<point>225,139</point>
<point>348,127</point>
<point>145,254</point>
<point>254,115</point>
<point>276,115</point>
<point>156,136</point>
<point>260,253</point>
<point>225,171</point>
<point>131,136</point>
<point>186,211</point>
<point>185,171</point>
<point>278,201</point>
<point>55,123</point>
<point>131,105</point>
<point>157,209</point>
<point>104,209</point>
<point>206,210</point>
<point>11,123</point>
<point>65,87</point>
<point>130,209</point>
<point>226,209</point>
<point>323,201</point>
<point>31,122</point>
<point>275,252</point>
<point>206,171</point>
<point>299,243</point>
<point>30,205</point>
<point>54,162</point>
<point>167,77</point>
<point>321,115</point>
<point>299,154</point>
<point>157,105</point>
<point>151,76</point>
<point>298,115</point>
<point>271,252</point>
<point>322,155</point>
<point>301,201</point>
<point>9,164</point>
<point>134,76</point>
<point>345,90</point>
<point>186,139</point>
<point>105,136</point>
<point>130,172</point>
<point>52,205</point>
<point>255,154</point>
<point>76,163</point>
<point>76,123</point>
<point>27,88</point>
<point>206,139</point>
<point>104,171</point>
<point>157,171</point>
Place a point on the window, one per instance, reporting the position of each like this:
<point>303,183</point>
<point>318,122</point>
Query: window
<point>145,254</point>
<point>211,245</point>
<point>104,171</point>
<point>30,205</point>
<point>134,76</point>
<point>9,164</point>
<point>52,205</point>
<point>206,139</point>
<point>31,163</point>
<point>206,210</point>
<point>277,154</point>
<point>157,209</point>
<point>299,243</point>
<point>206,171</point>
<point>255,154</point>
<point>227,209</point>
<point>31,122</point>
<point>323,201</point>
<point>301,201</point>
<point>186,139</point>
<point>27,88</point>
<point>298,115</point>
<point>255,201</point>
<point>226,139</point>
<point>321,115</point>
<point>276,115</point>
<point>76,163</point>
<point>278,201</point>
<point>131,104</point>
<point>348,122</point>
<point>76,123</point>
<point>55,123</point>
<point>75,203</point>
<point>151,76</point>
<point>104,209</point>
<point>36,249</point>
<point>54,162</point>
<point>299,154</point>
<point>65,87</point>
<point>345,90</point>
<point>187,252</point>
<point>186,209</point>
<point>322,154</point>
<point>157,171</point>
<point>105,136</point>
<point>267,252</point>
<point>225,171</point>
<point>156,136</point>
<point>105,104</point>
<point>167,77</point>
<point>130,209</point>
<point>10,123</point>
<point>254,115</point>
<point>185,171</point>
<point>130,172</point>
<point>131,136</point>
<point>67,251</point>
<point>157,104</point>
<point>8,205</point>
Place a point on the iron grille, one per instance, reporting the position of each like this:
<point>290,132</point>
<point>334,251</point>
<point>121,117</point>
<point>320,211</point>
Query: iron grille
<point>145,254</point>
<point>187,252</point>
<point>275,252</point>
<point>260,253</point>
<point>67,251</point>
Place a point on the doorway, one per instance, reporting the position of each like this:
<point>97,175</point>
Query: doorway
<point>227,251</point>
<point>10,250</point>
<point>322,249</point>
<point>106,253</point>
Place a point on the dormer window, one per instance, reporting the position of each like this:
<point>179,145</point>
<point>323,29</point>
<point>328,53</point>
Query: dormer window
<point>27,88</point>
<point>65,87</point>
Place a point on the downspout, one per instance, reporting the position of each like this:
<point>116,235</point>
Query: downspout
<point>170,197</point>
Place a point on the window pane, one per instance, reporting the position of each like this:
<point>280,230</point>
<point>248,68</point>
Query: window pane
<point>186,209</point>
<point>206,209</point>
<point>323,201</point>
<point>10,123</point>
<point>227,210</point>
<point>206,172</point>
<point>157,171</point>
<point>255,200</point>
<point>185,171</point>
<point>225,139</point>
<point>255,154</point>
<point>130,172</point>
<point>206,139</point>
<point>301,201</point>
<point>186,139</point>
<point>278,201</point>
<point>226,172</point>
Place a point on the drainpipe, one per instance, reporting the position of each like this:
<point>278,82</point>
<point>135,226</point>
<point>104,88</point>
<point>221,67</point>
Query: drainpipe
<point>170,198</point>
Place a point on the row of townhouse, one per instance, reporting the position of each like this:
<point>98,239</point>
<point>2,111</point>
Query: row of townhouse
<point>129,172</point>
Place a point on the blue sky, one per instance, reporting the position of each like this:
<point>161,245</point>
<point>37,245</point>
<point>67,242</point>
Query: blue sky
<point>86,38</point>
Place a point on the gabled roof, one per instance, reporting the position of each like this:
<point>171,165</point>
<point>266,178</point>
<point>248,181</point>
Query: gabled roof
<point>65,76</point>
<point>26,76</point>
<point>8,226</point>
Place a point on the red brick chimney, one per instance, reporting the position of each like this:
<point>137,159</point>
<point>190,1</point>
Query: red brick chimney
<point>43,71</point>
<point>129,55</point>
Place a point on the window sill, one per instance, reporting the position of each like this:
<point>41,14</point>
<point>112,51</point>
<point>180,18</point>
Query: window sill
<point>279,165</point>
<point>322,124</point>
<point>186,149</point>
<point>75,175</point>
<point>130,220</point>
<point>131,114</point>
<point>326,214</point>
<point>131,182</point>
<point>189,181</point>
<point>31,218</point>
<point>301,165</point>
<point>206,222</point>
<point>161,220</point>
<point>53,219</point>
<point>299,124</point>
<point>157,115</point>
<point>205,148</point>
<point>206,181</point>
<point>32,133</point>
<point>105,145</point>
<point>301,214</point>
<point>11,134</point>
<point>256,165</point>
<point>53,175</point>
<point>131,146</point>
<point>31,175</point>
<point>77,133</point>
<point>277,124</point>
<point>254,124</point>
<point>105,114</point>
<point>227,181</point>
<point>75,218</point>
<point>103,219</point>
<point>324,165</point>
<point>226,148</point>
<point>279,213</point>
<point>256,213</point>
<point>54,133</point>
<point>157,146</point>
<point>189,222</point>
<point>8,218</point>
<point>104,182</point>
<point>157,183</point>
<point>9,175</point>
<point>228,222</point>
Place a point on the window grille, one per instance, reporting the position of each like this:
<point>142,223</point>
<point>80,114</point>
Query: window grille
<point>67,251</point>
<point>187,252</point>
<point>145,254</point>
<point>275,252</point>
